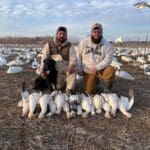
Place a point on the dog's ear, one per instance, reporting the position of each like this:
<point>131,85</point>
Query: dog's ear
<point>53,62</point>
<point>49,61</point>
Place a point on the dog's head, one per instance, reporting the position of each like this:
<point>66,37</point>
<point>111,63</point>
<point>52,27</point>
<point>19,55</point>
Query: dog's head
<point>49,64</point>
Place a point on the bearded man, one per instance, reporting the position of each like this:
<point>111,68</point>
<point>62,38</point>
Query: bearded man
<point>94,56</point>
<point>61,50</point>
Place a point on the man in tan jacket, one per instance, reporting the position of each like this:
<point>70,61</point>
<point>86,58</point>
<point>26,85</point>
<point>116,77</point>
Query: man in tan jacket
<point>94,56</point>
<point>60,49</point>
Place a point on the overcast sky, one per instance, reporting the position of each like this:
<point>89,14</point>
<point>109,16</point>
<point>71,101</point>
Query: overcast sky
<point>42,17</point>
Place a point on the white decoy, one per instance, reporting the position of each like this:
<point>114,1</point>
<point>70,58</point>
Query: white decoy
<point>14,69</point>
<point>16,62</point>
<point>126,59</point>
<point>147,70</point>
<point>3,55</point>
<point>1,64</point>
<point>29,57</point>
<point>35,64</point>
<point>119,40</point>
<point>144,66</point>
<point>141,60</point>
<point>116,64</point>
<point>124,75</point>
<point>3,61</point>
<point>148,59</point>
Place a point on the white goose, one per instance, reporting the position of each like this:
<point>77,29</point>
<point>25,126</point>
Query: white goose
<point>147,70</point>
<point>148,59</point>
<point>119,40</point>
<point>3,61</point>
<point>144,66</point>
<point>14,69</point>
<point>116,64</point>
<point>126,59</point>
<point>141,60</point>
<point>124,75</point>
<point>16,62</point>
<point>87,105</point>
<point>35,64</point>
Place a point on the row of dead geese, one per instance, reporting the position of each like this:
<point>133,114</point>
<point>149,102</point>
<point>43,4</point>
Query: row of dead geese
<point>74,104</point>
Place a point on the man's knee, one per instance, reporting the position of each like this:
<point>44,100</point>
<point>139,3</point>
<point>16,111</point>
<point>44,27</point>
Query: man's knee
<point>109,73</point>
<point>70,81</point>
<point>89,83</point>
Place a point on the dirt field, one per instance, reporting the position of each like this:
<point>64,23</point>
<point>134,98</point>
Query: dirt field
<point>58,133</point>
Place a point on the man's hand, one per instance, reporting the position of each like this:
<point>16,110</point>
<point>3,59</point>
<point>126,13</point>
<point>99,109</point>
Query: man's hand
<point>71,69</point>
<point>92,70</point>
<point>45,74</point>
<point>81,72</point>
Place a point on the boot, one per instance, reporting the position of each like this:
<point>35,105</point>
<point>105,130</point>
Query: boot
<point>99,87</point>
<point>108,86</point>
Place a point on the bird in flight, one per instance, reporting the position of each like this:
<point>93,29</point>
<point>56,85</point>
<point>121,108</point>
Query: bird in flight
<point>142,5</point>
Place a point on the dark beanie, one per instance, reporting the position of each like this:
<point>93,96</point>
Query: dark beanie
<point>62,28</point>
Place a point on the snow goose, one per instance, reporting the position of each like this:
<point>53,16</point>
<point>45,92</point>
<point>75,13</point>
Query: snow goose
<point>14,69</point>
<point>119,40</point>
<point>116,64</point>
<point>141,60</point>
<point>87,105</point>
<point>124,75</point>
<point>148,58</point>
<point>144,66</point>
<point>16,62</point>
<point>147,70</point>
<point>126,59</point>
<point>35,64</point>
<point>3,61</point>
<point>141,5</point>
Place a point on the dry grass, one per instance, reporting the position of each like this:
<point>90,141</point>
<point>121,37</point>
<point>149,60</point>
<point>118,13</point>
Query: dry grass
<point>58,133</point>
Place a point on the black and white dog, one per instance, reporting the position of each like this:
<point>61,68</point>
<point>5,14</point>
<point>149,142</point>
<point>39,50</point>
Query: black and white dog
<point>51,79</point>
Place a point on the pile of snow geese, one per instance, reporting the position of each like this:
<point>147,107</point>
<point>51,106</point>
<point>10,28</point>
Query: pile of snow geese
<point>74,104</point>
